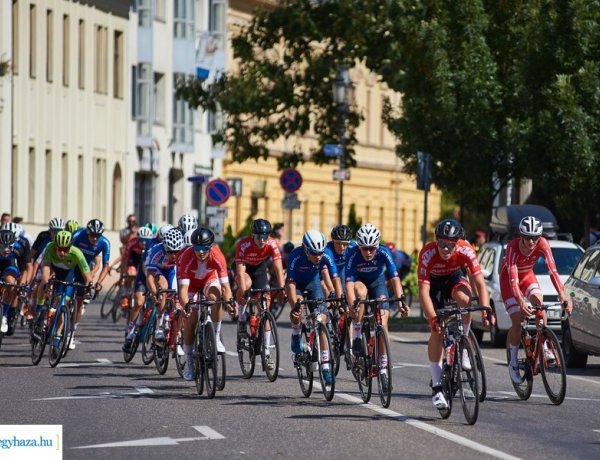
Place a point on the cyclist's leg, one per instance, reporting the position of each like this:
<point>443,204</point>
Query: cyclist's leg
<point>10,276</point>
<point>189,334</point>
<point>378,290</point>
<point>360,291</point>
<point>440,289</point>
<point>212,291</point>
<point>461,294</point>
<point>296,322</point>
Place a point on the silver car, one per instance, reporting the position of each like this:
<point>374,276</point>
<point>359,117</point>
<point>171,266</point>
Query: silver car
<point>566,254</point>
<point>581,332</point>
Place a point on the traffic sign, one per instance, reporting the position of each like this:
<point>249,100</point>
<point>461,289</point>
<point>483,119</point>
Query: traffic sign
<point>217,192</point>
<point>217,225</point>
<point>216,211</point>
<point>341,174</point>
<point>290,180</point>
<point>332,150</point>
<point>290,201</point>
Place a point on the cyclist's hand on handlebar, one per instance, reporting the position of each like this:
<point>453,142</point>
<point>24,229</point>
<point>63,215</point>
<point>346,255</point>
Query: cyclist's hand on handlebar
<point>434,324</point>
<point>525,308</point>
<point>403,307</point>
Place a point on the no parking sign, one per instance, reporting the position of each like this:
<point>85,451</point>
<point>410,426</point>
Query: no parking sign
<point>217,192</point>
<point>290,180</point>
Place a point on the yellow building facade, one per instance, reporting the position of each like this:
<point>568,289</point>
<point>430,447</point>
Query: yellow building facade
<point>380,192</point>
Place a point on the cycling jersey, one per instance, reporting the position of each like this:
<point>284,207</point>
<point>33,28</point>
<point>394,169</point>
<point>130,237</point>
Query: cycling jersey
<point>132,254</point>
<point>90,250</point>
<point>159,263</point>
<point>339,260</point>
<point>359,269</point>
<point>431,263</point>
<point>41,242</point>
<point>196,273</point>
<point>16,261</point>
<point>73,258</point>
<point>302,271</point>
<point>248,253</point>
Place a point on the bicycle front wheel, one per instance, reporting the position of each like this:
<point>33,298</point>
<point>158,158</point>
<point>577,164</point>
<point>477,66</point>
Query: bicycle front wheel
<point>303,365</point>
<point>269,351</point>
<point>246,351</point>
<point>524,388</point>
<point>384,367</point>
<point>58,336</point>
<point>221,371</point>
<point>161,356</point>
<point>179,358</point>
<point>326,362</point>
<point>467,381</point>
<point>107,302</point>
<point>362,367</point>
<point>147,344</point>
<point>38,337</point>
<point>480,372</point>
<point>447,391</point>
<point>552,367</point>
<point>210,360</point>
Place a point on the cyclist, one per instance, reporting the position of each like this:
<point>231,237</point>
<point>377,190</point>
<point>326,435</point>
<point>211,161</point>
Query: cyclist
<point>517,280</point>
<point>306,268</point>
<point>72,226</point>
<point>186,223</point>
<point>92,243</point>
<point>252,255</point>
<point>337,250</point>
<point>441,278</point>
<point>365,276</point>
<point>130,262</point>
<point>160,272</point>
<point>15,266</point>
<point>202,269</point>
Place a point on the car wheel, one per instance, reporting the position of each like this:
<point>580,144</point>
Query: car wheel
<point>573,358</point>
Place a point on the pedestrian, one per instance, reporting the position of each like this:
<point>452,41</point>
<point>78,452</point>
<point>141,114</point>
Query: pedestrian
<point>479,240</point>
<point>5,218</point>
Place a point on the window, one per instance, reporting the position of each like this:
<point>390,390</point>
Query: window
<point>215,120</point>
<point>159,98</point>
<point>183,122</point>
<point>32,41</point>
<point>15,37</point>
<point>160,12</point>
<point>66,50</point>
<point>49,45</point>
<point>81,56</point>
<point>118,65</point>
<point>218,21</point>
<point>16,167</point>
<point>144,10</point>
<point>565,259</point>
<point>101,70</point>
<point>142,98</point>
<point>80,177</point>
<point>587,267</point>
<point>98,188</point>
<point>144,197</point>
<point>183,19</point>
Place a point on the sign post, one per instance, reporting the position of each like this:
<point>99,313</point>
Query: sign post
<point>290,181</point>
<point>424,183</point>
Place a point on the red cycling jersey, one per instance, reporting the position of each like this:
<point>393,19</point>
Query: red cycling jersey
<point>248,253</point>
<point>432,264</point>
<point>196,273</point>
<point>132,254</point>
<point>516,266</point>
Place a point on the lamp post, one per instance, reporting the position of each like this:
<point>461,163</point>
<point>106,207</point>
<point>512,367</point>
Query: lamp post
<point>342,96</point>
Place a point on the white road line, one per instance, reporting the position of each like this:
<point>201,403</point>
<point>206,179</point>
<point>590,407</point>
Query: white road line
<point>141,390</point>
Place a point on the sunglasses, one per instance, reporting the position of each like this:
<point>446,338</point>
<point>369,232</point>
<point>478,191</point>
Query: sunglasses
<point>450,245</point>
<point>368,248</point>
<point>62,250</point>
<point>261,236</point>
<point>201,248</point>
<point>530,238</point>
<point>341,241</point>
<point>94,235</point>
<point>5,247</point>
<point>313,253</point>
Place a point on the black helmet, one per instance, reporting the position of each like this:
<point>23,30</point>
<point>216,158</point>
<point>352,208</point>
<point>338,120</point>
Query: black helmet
<point>341,233</point>
<point>448,229</point>
<point>95,227</point>
<point>261,227</point>
<point>203,236</point>
<point>7,238</point>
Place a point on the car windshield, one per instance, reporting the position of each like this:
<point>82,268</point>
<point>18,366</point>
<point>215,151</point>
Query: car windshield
<point>565,258</point>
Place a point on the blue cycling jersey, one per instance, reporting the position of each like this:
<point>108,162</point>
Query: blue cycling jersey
<point>339,259</point>
<point>302,271</point>
<point>157,261</point>
<point>358,269</point>
<point>90,251</point>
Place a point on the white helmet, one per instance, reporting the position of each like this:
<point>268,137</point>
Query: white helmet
<point>56,224</point>
<point>162,231</point>
<point>144,233</point>
<point>187,222</point>
<point>368,235</point>
<point>15,228</point>
<point>530,226</point>
<point>314,242</point>
<point>173,240</point>
<point>187,238</point>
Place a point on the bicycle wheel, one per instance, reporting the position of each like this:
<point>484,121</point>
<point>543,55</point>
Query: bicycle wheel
<point>72,309</point>
<point>384,372</point>
<point>348,356</point>
<point>210,360</point>
<point>447,378</point>
<point>221,371</point>
<point>277,308</point>
<point>107,302</point>
<point>58,336</point>
<point>326,364</point>
<point>467,382</point>
<point>246,355</point>
<point>481,380</point>
<point>161,355</point>
<point>128,355</point>
<point>199,360</point>
<point>38,337</point>
<point>362,369</point>
<point>115,312</point>
<point>147,342</point>
<point>333,328</point>
<point>524,388</point>
<point>269,350</point>
<point>303,365</point>
<point>553,371</point>
<point>179,359</point>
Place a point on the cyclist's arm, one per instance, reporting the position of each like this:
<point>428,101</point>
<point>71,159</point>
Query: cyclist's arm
<point>425,300</point>
<point>240,271</point>
<point>226,293</point>
<point>290,289</point>
<point>397,286</point>
<point>278,266</point>
<point>337,283</point>
<point>151,282</point>
<point>184,297</point>
<point>478,282</point>
<point>327,279</point>
<point>350,293</point>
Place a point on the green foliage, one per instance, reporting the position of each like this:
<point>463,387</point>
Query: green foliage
<point>353,222</point>
<point>229,239</point>
<point>410,282</point>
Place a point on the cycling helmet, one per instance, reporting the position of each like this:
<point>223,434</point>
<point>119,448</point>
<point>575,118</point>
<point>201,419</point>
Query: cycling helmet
<point>261,227</point>
<point>7,237</point>
<point>63,239</point>
<point>173,240</point>
<point>95,227</point>
<point>162,231</point>
<point>16,229</point>
<point>187,222</point>
<point>152,227</point>
<point>449,229</point>
<point>530,226</point>
<point>144,233</point>
<point>187,238</point>
<point>368,235</point>
<point>72,226</point>
<point>56,224</point>
<point>124,235</point>
<point>314,242</point>
<point>203,236</point>
<point>341,233</point>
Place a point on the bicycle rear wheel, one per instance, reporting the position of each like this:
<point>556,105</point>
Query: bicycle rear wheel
<point>467,382</point>
<point>328,364</point>
<point>221,371</point>
<point>199,360</point>
<point>246,352</point>
<point>333,328</point>
<point>161,355</point>
<point>303,365</point>
<point>480,374</point>
<point>38,337</point>
<point>269,351</point>
<point>115,311</point>
<point>524,388</point>
<point>362,369</point>
<point>384,372</point>
<point>72,309</point>
<point>210,360</point>
<point>277,308</point>
<point>58,336</point>
<point>553,371</point>
<point>147,343</point>
<point>107,302</point>
<point>179,359</point>
<point>128,355</point>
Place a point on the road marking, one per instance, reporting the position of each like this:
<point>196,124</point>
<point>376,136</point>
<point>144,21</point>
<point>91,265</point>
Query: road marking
<point>544,396</point>
<point>99,362</point>
<point>401,365</point>
<point>401,339</point>
<point>207,432</point>
<point>141,390</point>
<point>231,353</point>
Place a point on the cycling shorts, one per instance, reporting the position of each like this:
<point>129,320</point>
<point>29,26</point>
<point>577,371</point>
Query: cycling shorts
<point>312,290</point>
<point>442,287</point>
<point>528,285</point>
<point>259,275</point>
<point>196,287</point>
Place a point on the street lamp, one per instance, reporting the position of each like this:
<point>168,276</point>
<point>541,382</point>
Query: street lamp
<point>342,96</point>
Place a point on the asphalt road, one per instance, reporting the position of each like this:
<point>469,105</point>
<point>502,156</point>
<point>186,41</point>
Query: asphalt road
<point>112,410</point>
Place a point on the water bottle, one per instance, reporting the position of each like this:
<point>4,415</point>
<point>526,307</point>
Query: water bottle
<point>528,345</point>
<point>253,324</point>
<point>450,344</point>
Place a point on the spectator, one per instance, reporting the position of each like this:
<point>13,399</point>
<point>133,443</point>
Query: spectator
<point>132,223</point>
<point>402,260</point>
<point>5,218</point>
<point>479,239</point>
<point>277,233</point>
<point>27,236</point>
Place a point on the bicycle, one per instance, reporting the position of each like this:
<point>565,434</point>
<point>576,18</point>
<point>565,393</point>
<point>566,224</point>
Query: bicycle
<point>337,328</point>
<point>143,333</point>
<point>533,359</point>
<point>21,291</point>
<point>316,342</point>
<point>162,348</point>
<point>209,363</point>
<point>368,364</point>
<point>111,304</point>
<point>73,314</point>
<point>262,337</point>
<point>455,378</point>
<point>480,374</point>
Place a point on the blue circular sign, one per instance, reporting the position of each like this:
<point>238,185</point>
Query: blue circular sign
<point>290,180</point>
<point>217,192</point>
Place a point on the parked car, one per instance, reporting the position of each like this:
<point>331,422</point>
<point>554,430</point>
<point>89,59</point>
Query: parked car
<point>581,331</point>
<point>566,255</point>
